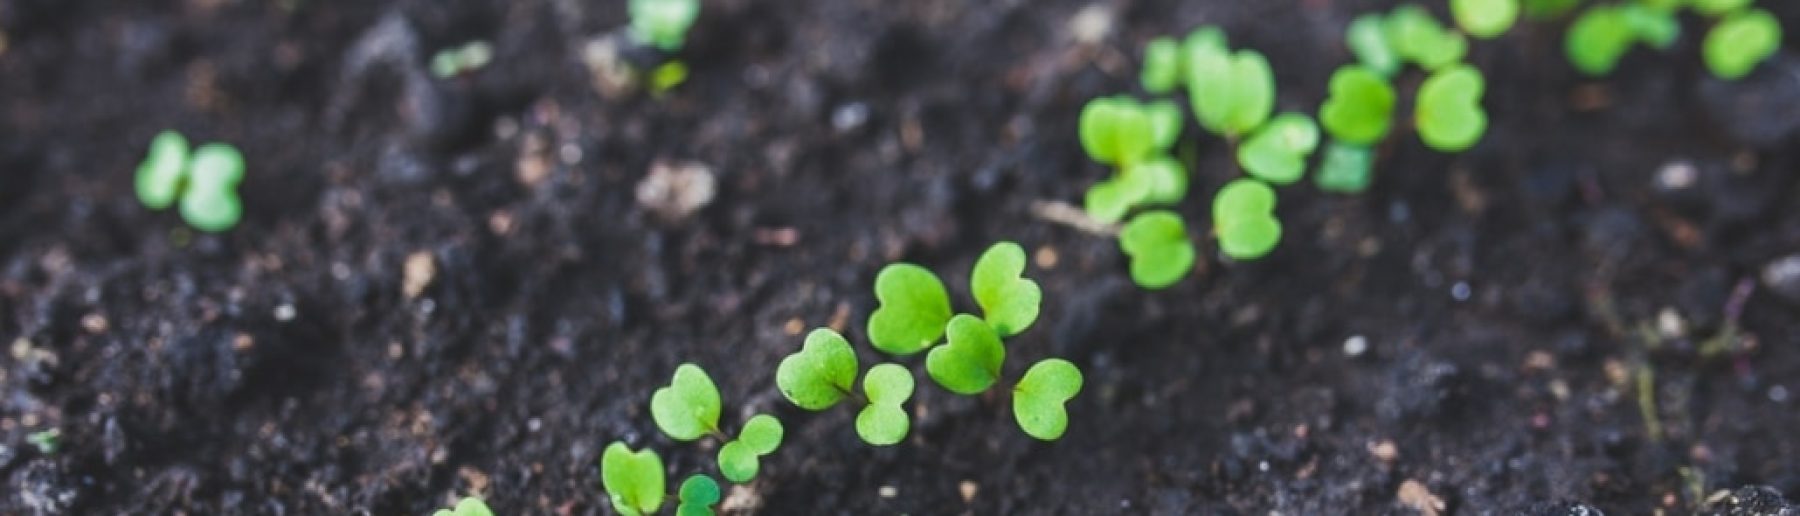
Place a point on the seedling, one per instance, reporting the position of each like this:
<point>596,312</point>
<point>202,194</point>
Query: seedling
<point>1448,113</point>
<point>663,23</point>
<point>970,363</point>
<point>913,309</point>
<point>451,62</point>
<point>697,494</point>
<point>667,76</point>
<point>1008,299</point>
<point>46,441</point>
<point>1162,66</point>
<point>1157,243</point>
<point>883,421</point>
<point>1740,42</point>
<point>820,375</point>
<point>1367,39</point>
<point>1244,219</point>
<point>1277,152</point>
<point>1346,168</point>
<point>204,181</point>
<point>1039,398</point>
<point>1135,137</point>
<point>633,480</point>
<point>1232,93</point>
<point>1160,180</point>
<point>1360,108</point>
<point>1416,36</point>
<point>1604,33</point>
<point>468,506</point>
<point>688,409</point>
<point>1485,19</point>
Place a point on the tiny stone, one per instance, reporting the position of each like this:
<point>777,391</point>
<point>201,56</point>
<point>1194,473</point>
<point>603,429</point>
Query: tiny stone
<point>888,492</point>
<point>1676,175</point>
<point>1782,277</point>
<point>1384,451</point>
<point>1778,394</point>
<point>417,273</point>
<point>570,154</point>
<point>674,191</point>
<point>1092,24</point>
<point>794,327</point>
<point>94,323</point>
<point>968,488</point>
<point>1355,346</point>
<point>533,424</point>
<point>850,117</point>
<point>1460,291</point>
<point>1670,324</point>
<point>1046,257</point>
<point>284,313</point>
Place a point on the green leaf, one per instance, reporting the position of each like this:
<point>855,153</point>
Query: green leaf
<point>737,463</point>
<point>211,203</point>
<point>912,312</point>
<point>468,506</point>
<point>1165,128</point>
<point>1244,219</point>
<point>1232,94</point>
<point>1163,179</point>
<point>663,23</point>
<point>1116,130</point>
<point>1008,300</point>
<point>1277,152</point>
<point>633,480</point>
<point>698,494</point>
<point>1546,9</point>
<point>1657,28</point>
<point>1736,45</point>
<point>689,407</point>
<point>1598,39</point>
<point>820,374</point>
<point>762,434</point>
<point>1367,38</point>
<point>1157,243</point>
<point>1162,66</point>
<point>1449,115</point>
<point>1108,201</point>
<point>1039,398</point>
<point>159,177</point>
<point>883,422</point>
<point>1345,169</point>
<point>970,363</point>
<point>1485,19</point>
<point>1361,106</point>
<point>1418,37</point>
<point>1717,8</point>
<point>1243,197</point>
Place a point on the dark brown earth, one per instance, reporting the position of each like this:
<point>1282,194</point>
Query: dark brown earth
<point>1514,299</point>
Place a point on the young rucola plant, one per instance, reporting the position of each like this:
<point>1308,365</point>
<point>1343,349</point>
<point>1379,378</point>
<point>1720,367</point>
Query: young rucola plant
<point>664,24</point>
<point>204,180</point>
<point>1741,36</point>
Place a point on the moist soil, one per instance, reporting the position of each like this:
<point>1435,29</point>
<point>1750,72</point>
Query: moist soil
<point>450,286</point>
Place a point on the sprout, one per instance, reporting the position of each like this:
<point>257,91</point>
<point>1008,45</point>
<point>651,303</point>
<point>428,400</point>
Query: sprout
<point>451,62</point>
<point>468,506</point>
<point>1244,219</point>
<point>689,407</point>
<point>1007,298</point>
<point>882,422</point>
<point>1345,168</point>
<point>1039,397</point>
<point>1485,19</point>
<point>1121,131</point>
<point>1418,37</point>
<point>698,494</point>
<point>633,480</point>
<point>662,23</point>
<point>1717,8</point>
<point>1277,152</point>
<point>820,374</point>
<point>1448,114</point>
<point>1367,38</point>
<point>46,441</point>
<point>1597,40</point>
<point>1736,45</point>
<point>1162,66</point>
<point>740,459</point>
<point>205,181</point>
<point>913,309</point>
<point>1360,108</point>
<point>970,363</point>
<point>1158,245</point>
<point>1232,93</point>
<point>667,76</point>
<point>1157,180</point>
<point>159,177</point>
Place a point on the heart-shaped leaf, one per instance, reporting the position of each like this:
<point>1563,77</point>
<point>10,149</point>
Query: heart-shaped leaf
<point>1597,39</point>
<point>820,374</point>
<point>1116,130</point>
<point>1736,45</point>
<point>689,407</point>
<point>1277,152</point>
<point>970,363</point>
<point>1244,219</point>
<point>1109,200</point>
<point>1654,26</point>
<point>211,203</point>
<point>1485,19</point>
<point>1162,66</point>
<point>1418,37</point>
<point>468,506</point>
<point>1157,243</point>
<point>698,494</point>
<point>1232,93</point>
<point>883,422</point>
<point>159,177</point>
<point>1367,38</point>
<point>1007,298</point>
<point>634,480</point>
<point>1165,128</point>
<point>1038,399</point>
<point>1449,115</point>
<point>1165,180</point>
<point>1346,168</point>
<point>739,460</point>
<point>1361,106</point>
<point>914,308</point>
<point>663,23</point>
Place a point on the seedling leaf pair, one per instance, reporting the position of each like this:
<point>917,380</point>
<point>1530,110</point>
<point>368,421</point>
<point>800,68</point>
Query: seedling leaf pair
<point>1008,299</point>
<point>1232,93</point>
<point>688,409</point>
<point>970,362</point>
<point>1244,218</point>
<point>1158,180</point>
<point>1162,66</point>
<point>1449,114</point>
<point>205,181</point>
<point>1485,19</point>
<point>1121,131</point>
<point>1345,168</point>
<point>468,506</point>
<point>740,459</point>
<point>633,480</point>
<point>915,306</point>
<point>698,494</point>
<point>819,375</point>
<point>883,421</point>
<point>1360,108</point>
<point>1741,41</point>
<point>1277,152</point>
<point>1416,36</point>
<point>1367,39</point>
<point>1157,243</point>
<point>1039,398</point>
<point>663,23</point>
<point>1604,33</point>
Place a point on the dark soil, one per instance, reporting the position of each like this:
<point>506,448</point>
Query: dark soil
<point>1509,297</point>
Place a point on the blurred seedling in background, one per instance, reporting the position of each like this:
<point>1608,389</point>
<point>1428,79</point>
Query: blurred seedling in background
<point>633,480</point>
<point>1485,19</point>
<point>688,409</point>
<point>457,61</point>
<point>645,54</point>
<point>1741,36</point>
<point>1158,246</point>
<point>1244,216</point>
<point>1449,116</point>
<point>1135,139</point>
<point>204,181</point>
<point>468,506</point>
<point>1741,41</point>
<point>821,374</point>
<point>47,442</point>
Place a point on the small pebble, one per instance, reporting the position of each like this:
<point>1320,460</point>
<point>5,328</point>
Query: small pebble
<point>888,492</point>
<point>1460,291</point>
<point>849,117</point>
<point>417,273</point>
<point>1384,451</point>
<point>1092,24</point>
<point>1677,175</point>
<point>1778,394</point>
<point>1355,346</point>
<point>94,323</point>
<point>675,191</point>
<point>1670,324</point>
<point>968,488</point>
<point>284,313</point>
<point>1782,277</point>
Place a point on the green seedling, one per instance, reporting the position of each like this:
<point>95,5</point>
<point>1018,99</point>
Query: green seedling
<point>1717,8</point>
<point>697,494</point>
<point>913,309</point>
<point>820,374</point>
<point>662,23</point>
<point>688,408</point>
<point>633,480</point>
<point>1040,396</point>
<point>1416,36</point>
<point>1346,168</point>
<point>1360,108</point>
<point>1485,19</point>
<point>883,422</point>
<point>740,459</point>
<point>1120,131</point>
<point>1232,93</point>
<point>970,363</point>
<point>468,506</point>
<point>451,62</point>
<point>1604,33</point>
<point>46,441</point>
<point>1162,66</point>
<point>1244,219</point>
<point>1367,39</point>
<point>1741,41</point>
<point>1160,180</point>
<point>204,182</point>
<point>1158,245</point>
<point>667,76</point>
<point>1277,152</point>
<point>1448,113</point>
<point>1008,299</point>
